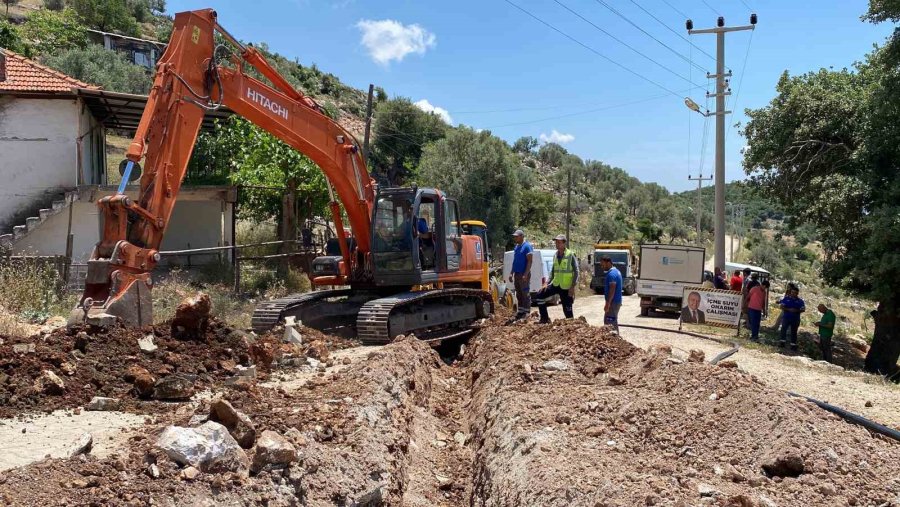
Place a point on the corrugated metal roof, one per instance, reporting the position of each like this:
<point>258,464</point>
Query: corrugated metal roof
<point>27,76</point>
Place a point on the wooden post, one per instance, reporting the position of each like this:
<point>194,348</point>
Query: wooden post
<point>70,240</point>
<point>235,266</point>
<point>368,124</point>
<point>288,218</point>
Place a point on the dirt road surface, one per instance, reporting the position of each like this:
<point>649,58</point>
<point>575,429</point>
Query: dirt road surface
<point>522,414</point>
<point>852,391</point>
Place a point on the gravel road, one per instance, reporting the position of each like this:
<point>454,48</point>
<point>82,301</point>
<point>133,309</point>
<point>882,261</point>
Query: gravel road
<point>846,389</point>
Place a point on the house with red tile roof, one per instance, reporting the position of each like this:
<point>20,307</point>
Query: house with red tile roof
<point>49,141</point>
<point>53,160</point>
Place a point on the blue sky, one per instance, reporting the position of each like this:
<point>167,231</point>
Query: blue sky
<point>491,66</point>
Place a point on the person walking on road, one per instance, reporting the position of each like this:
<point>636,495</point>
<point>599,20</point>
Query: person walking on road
<point>736,281</point>
<point>612,293</point>
<point>520,275</point>
<point>719,280</point>
<point>756,302</point>
<point>563,277</point>
<point>826,330</point>
<point>792,306</point>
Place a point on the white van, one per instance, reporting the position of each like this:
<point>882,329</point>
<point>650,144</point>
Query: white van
<point>541,266</point>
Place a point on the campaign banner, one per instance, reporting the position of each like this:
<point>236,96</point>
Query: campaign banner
<point>713,307</point>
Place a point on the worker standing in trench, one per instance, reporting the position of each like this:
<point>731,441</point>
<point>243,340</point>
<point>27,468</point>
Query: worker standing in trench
<point>520,274</point>
<point>563,278</point>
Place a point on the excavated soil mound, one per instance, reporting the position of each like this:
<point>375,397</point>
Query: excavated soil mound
<point>92,362</point>
<point>549,415</point>
<point>569,414</point>
<point>352,432</point>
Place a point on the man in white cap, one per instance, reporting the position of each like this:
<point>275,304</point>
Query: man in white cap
<point>563,278</point>
<point>520,274</point>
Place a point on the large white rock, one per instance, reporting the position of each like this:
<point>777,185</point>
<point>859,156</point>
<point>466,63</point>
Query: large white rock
<point>208,447</point>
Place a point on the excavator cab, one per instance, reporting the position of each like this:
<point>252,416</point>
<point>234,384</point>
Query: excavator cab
<point>415,237</point>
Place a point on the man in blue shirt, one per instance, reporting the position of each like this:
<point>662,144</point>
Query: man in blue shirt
<point>520,274</point>
<point>612,293</point>
<point>792,306</point>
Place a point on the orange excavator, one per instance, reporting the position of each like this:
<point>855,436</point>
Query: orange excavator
<point>407,264</point>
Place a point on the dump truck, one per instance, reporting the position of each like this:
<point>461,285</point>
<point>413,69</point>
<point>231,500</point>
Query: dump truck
<point>665,271</point>
<point>622,255</point>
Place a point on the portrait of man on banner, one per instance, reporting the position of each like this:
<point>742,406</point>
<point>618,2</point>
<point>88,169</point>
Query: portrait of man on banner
<point>691,314</point>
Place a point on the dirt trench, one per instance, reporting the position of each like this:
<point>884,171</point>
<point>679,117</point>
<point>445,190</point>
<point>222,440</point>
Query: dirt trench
<point>565,414</point>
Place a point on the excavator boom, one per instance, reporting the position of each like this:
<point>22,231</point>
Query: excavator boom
<point>190,80</point>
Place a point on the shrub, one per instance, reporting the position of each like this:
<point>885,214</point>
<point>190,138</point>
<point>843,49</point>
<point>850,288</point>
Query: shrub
<point>49,32</point>
<point>55,5</point>
<point>29,288</point>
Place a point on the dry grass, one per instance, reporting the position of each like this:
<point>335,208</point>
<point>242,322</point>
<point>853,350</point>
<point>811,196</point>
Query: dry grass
<point>29,289</point>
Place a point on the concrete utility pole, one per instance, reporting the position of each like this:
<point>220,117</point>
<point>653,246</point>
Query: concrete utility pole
<point>368,124</point>
<point>700,179</point>
<point>722,91</point>
<point>569,209</point>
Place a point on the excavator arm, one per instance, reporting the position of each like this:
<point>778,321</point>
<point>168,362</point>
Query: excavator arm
<point>189,81</point>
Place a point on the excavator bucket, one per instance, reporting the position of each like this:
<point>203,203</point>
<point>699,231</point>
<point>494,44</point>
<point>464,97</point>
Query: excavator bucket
<point>109,297</point>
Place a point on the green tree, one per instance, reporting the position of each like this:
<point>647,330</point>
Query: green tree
<point>107,15</point>
<point>103,67</point>
<point>49,32</point>
<point>828,148</point>
<point>608,225</point>
<point>11,39</point>
<point>525,144</point>
<point>401,130</point>
<point>650,232</point>
<point>633,199</point>
<point>552,154</point>
<point>251,157</point>
<point>480,171</point>
<point>536,207</point>
<point>55,5</point>
<point>139,9</point>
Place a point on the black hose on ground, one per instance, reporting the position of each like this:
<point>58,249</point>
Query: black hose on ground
<point>853,418</point>
<point>847,416</point>
<point>728,353</point>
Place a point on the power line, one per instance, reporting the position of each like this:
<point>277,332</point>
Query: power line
<point>741,79</point>
<point>592,50</point>
<point>711,7</point>
<point>746,5</point>
<point>683,15</point>
<point>613,37</point>
<point>614,106</point>
<point>667,27</point>
<point>648,34</point>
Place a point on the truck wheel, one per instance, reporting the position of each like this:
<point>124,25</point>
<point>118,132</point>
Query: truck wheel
<point>645,311</point>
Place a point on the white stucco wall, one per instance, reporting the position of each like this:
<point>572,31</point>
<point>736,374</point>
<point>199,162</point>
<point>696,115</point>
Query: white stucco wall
<point>37,150</point>
<point>197,222</point>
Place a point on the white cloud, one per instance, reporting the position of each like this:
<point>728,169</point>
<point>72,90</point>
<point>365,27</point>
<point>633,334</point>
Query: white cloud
<point>388,40</point>
<point>426,106</point>
<point>556,137</point>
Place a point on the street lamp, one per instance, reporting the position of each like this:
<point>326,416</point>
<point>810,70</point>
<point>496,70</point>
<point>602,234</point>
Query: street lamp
<point>695,107</point>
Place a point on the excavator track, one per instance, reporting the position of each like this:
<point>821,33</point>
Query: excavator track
<point>268,314</point>
<point>431,315</point>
